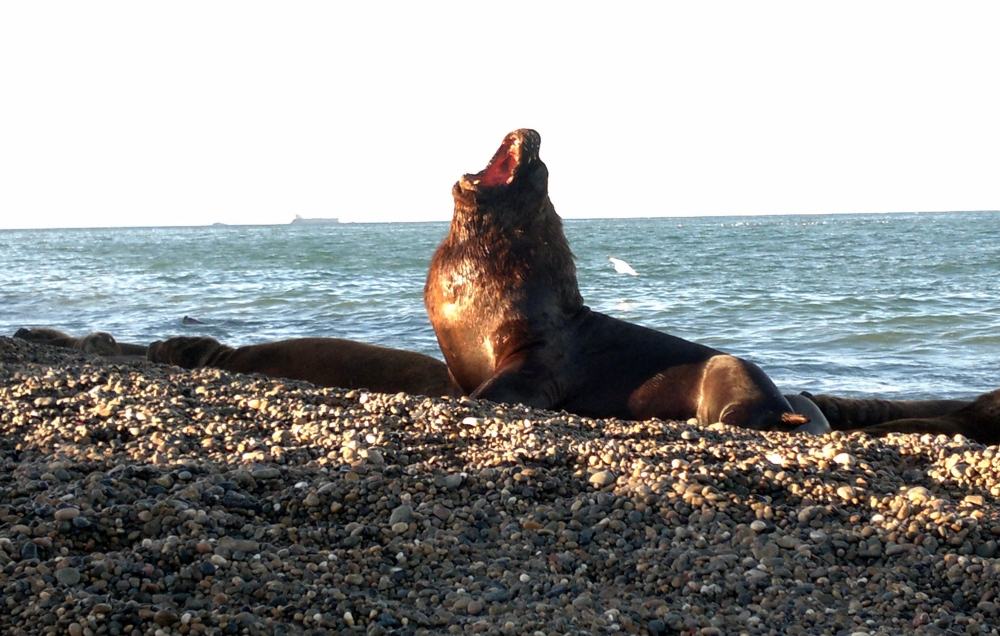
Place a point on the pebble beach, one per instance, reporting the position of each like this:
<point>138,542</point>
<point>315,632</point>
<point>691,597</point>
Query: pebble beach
<point>140,499</point>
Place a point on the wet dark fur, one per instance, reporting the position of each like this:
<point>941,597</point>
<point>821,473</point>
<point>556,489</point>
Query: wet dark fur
<point>328,362</point>
<point>849,414</point>
<point>978,420</point>
<point>503,299</point>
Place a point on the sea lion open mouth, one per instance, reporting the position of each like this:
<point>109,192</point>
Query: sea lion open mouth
<point>500,170</point>
<point>518,149</point>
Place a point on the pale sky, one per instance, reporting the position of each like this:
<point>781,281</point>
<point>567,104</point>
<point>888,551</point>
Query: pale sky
<point>189,113</point>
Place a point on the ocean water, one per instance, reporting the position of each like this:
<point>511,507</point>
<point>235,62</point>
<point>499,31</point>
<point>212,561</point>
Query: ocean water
<point>897,305</point>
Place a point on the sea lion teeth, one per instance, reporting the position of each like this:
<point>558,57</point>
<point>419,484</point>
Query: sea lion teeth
<point>518,331</point>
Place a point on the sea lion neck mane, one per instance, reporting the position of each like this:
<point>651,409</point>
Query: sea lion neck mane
<point>505,258</point>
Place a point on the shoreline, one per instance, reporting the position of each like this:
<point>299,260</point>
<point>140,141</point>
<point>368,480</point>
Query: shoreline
<point>140,498</point>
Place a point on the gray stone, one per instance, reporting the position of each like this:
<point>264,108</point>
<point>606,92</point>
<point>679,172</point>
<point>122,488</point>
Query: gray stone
<point>66,514</point>
<point>68,576</point>
<point>987,550</point>
<point>402,514</point>
<point>265,473</point>
<point>239,545</point>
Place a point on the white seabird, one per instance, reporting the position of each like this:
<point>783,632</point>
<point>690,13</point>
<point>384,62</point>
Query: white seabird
<point>621,266</point>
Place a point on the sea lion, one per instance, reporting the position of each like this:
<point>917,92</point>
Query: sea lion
<point>978,420</point>
<point>99,342</point>
<point>503,299</point>
<point>850,414</point>
<point>329,362</point>
<point>40,334</point>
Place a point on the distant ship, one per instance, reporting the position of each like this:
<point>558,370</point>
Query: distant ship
<point>298,220</point>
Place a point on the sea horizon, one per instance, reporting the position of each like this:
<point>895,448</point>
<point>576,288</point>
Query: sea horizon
<point>350,221</point>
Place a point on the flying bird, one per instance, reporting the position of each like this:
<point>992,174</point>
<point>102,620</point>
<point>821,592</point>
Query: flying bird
<point>621,266</point>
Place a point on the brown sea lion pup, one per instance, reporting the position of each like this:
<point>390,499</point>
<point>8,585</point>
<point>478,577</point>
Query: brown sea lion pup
<point>96,342</point>
<point>329,362</point>
<point>41,334</point>
<point>503,299</point>
<point>978,420</point>
<point>850,414</point>
<point>99,342</point>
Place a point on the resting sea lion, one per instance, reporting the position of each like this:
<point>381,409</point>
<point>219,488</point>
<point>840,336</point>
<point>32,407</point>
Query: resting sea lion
<point>99,342</point>
<point>329,362</point>
<point>503,299</point>
<point>978,420</point>
<point>849,414</point>
<point>40,334</point>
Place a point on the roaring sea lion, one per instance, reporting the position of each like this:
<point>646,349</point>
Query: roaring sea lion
<point>978,420</point>
<point>503,299</point>
<point>850,414</point>
<point>328,362</point>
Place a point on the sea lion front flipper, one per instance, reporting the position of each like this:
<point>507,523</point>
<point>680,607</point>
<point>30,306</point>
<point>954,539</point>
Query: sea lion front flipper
<point>517,381</point>
<point>817,424</point>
